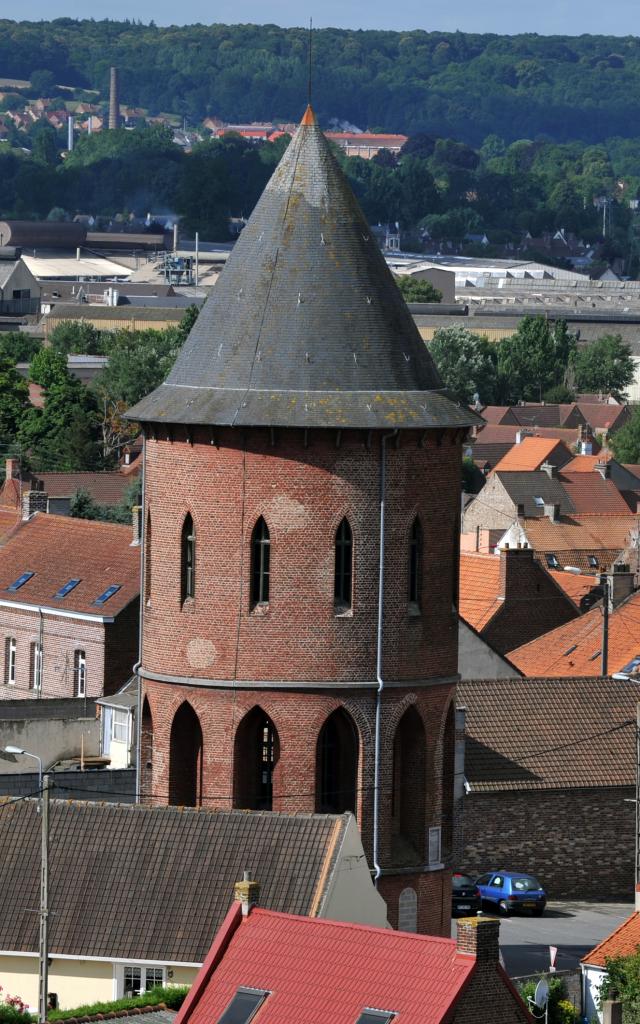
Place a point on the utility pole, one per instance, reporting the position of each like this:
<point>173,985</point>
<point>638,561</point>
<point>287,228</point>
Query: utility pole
<point>604,583</point>
<point>43,949</point>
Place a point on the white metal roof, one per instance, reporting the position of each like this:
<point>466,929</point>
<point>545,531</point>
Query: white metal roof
<point>83,269</point>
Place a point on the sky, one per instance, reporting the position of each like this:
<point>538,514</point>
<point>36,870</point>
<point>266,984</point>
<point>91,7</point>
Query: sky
<point>547,17</point>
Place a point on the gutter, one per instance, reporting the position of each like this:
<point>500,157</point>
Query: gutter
<point>379,679</point>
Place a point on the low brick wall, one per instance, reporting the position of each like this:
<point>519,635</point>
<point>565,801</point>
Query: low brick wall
<point>579,842</point>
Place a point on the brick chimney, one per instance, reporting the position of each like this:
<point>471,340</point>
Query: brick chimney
<point>32,502</point>
<point>246,892</point>
<point>517,570</point>
<point>552,511</point>
<point>11,469</point>
<point>479,937</point>
<point>620,585</point>
<point>637,897</point>
<point>136,524</point>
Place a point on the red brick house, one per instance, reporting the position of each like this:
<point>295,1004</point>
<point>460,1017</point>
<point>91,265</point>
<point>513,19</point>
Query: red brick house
<point>275,968</point>
<point>69,600</point>
<point>281,668</point>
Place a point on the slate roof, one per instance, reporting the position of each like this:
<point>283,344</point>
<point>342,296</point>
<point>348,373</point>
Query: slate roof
<point>153,883</point>
<point>57,549</point>
<point>575,648</point>
<point>531,453</point>
<point>328,972</point>
<point>306,326</point>
<point>551,733</point>
<point>524,487</point>
<point>624,941</point>
<point>62,311</point>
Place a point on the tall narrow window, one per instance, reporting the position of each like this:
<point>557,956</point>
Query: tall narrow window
<point>188,559</point>
<point>35,674</point>
<point>147,560</point>
<point>415,559</point>
<point>256,750</point>
<point>337,765</point>
<point>80,673</point>
<point>10,661</point>
<point>344,556</point>
<point>260,559</point>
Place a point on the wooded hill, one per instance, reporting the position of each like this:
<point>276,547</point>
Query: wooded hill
<point>460,85</point>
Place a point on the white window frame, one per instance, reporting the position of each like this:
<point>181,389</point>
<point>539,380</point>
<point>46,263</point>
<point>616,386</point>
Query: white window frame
<point>143,968</point>
<point>36,668</point>
<point>115,723</point>
<point>80,673</point>
<point>11,652</point>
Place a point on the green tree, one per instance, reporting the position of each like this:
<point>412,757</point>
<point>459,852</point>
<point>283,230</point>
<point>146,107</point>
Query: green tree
<point>534,359</point>
<point>416,290</point>
<point>77,336</point>
<point>604,365</point>
<point>626,441</point>
<point>45,144</point>
<point>48,368</point>
<point>42,82</point>
<point>622,981</point>
<point>466,362</point>
<point>14,400</point>
<point>18,346</point>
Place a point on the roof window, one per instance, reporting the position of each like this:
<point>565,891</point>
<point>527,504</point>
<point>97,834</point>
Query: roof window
<point>376,1016</point>
<point>538,500</point>
<point>633,665</point>
<point>20,582</point>
<point>570,651</point>
<point>593,561</point>
<point>67,588</point>
<point>244,1006</point>
<point>106,594</point>
<point>594,656</point>
<point>552,561</point>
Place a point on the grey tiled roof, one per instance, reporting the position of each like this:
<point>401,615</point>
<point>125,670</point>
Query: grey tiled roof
<point>523,487</point>
<point>549,733</point>
<point>153,883</point>
<point>305,326</point>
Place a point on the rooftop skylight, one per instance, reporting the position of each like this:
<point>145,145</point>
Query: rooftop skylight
<point>67,588</point>
<point>20,582</point>
<point>244,1006</point>
<point>106,594</point>
<point>375,1016</point>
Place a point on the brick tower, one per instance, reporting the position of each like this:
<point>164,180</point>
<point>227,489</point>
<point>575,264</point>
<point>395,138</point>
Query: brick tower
<point>301,435</point>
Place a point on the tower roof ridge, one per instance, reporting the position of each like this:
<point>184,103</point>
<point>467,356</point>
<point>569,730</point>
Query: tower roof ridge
<point>306,326</point>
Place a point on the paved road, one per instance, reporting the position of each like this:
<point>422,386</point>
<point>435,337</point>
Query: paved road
<point>574,928</point>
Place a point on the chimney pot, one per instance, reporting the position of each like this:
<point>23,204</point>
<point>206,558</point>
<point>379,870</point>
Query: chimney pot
<point>479,937</point>
<point>247,893</point>
<point>11,468</point>
<point>32,502</point>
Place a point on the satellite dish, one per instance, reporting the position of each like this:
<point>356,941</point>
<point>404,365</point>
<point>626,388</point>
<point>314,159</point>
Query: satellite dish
<point>541,994</point>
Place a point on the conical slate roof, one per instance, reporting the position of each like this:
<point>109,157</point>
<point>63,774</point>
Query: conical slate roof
<point>306,326</point>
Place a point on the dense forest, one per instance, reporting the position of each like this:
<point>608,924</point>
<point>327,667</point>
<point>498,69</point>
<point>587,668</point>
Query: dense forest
<point>460,85</point>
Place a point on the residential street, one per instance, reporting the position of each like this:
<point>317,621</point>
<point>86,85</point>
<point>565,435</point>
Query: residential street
<point>573,927</point>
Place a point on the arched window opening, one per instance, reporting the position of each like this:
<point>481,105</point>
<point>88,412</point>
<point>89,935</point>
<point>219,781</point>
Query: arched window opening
<point>344,567</point>
<point>185,758</point>
<point>146,752</point>
<point>415,562</point>
<point>147,560</point>
<point>408,788</point>
<point>337,765</point>
<point>260,563</point>
<point>408,911</point>
<point>188,559</point>
<point>256,753</point>
<point>448,774</point>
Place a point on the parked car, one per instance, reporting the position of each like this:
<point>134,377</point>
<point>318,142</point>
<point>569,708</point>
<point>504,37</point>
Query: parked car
<point>511,890</point>
<point>465,895</point>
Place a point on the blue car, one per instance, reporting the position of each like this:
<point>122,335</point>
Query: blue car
<point>508,891</point>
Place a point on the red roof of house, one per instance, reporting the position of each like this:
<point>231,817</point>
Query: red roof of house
<point>479,588</point>
<point>586,463</point>
<point>603,417</point>
<point>531,453</point>
<point>104,488</point>
<point>591,494</point>
<point>575,648</point>
<point>327,972</point>
<point>367,137</point>
<point>574,585</point>
<point>57,549</point>
<point>622,942</point>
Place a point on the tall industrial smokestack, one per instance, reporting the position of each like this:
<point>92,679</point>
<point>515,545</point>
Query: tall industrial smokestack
<point>114,100</point>
<point>70,124</point>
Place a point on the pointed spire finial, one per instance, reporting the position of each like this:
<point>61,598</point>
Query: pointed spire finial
<point>309,117</point>
<point>310,63</point>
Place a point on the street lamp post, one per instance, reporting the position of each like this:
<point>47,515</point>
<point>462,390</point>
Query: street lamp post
<point>10,749</point>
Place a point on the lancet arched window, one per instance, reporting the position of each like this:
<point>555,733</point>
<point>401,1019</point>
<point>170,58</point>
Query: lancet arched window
<point>188,545</point>
<point>260,563</point>
<point>344,567</point>
<point>415,561</point>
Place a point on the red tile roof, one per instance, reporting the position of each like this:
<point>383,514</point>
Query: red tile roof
<point>575,586</point>
<point>531,453</point>
<point>590,533</point>
<point>603,417</point>
<point>105,488</point>
<point>479,588</point>
<point>327,972</point>
<point>624,941</point>
<point>591,494</point>
<point>57,549</point>
<point>9,523</point>
<point>586,463</point>
<point>575,648</point>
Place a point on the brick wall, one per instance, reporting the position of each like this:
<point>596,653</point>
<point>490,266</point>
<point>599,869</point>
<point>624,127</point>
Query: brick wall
<point>111,650</point>
<point>303,487</point>
<point>492,510</point>
<point>489,995</point>
<point>579,842</point>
